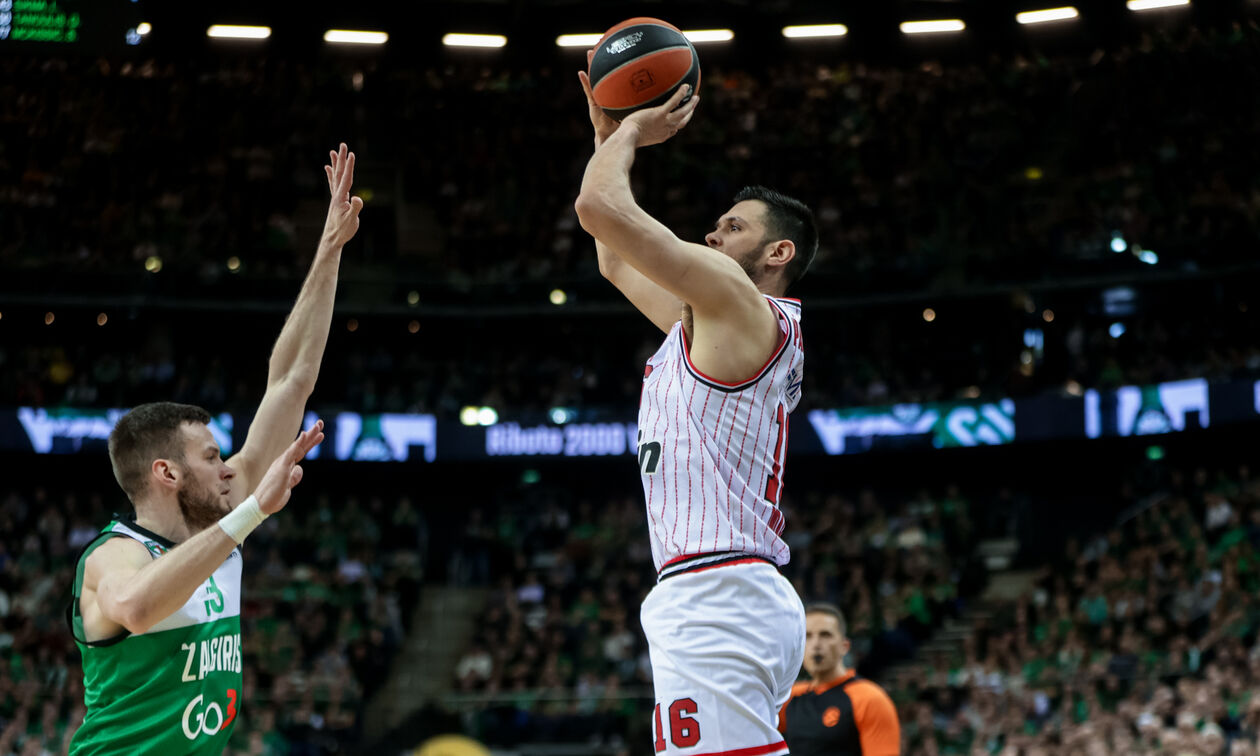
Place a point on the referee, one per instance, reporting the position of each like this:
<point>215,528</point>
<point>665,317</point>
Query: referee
<point>836,713</point>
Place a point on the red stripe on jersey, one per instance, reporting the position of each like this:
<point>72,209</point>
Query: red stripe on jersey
<point>659,522</point>
<point>673,453</point>
<point>682,558</point>
<point>773,486</point>
<point>731,478</point>
<point>752,458</point>
<point>704,496</point>
<point>687,536</point>
<point>777,522</point>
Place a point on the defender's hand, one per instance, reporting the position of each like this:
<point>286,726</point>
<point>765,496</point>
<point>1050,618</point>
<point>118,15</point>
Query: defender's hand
<point>343,210</point>
<point>656,125</point>
<point>604,124</point>
<point>274,489</point>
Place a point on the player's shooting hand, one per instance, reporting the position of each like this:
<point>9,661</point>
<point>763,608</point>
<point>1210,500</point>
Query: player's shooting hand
<point>604,124</point>
<point>285,473</point>
<point>343,210</point>
<point>655,125</point>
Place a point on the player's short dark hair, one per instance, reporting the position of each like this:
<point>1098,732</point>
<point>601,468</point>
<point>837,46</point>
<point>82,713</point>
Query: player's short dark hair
<point>791,219</point>
<point>149,432</point>
<point>830,610</point>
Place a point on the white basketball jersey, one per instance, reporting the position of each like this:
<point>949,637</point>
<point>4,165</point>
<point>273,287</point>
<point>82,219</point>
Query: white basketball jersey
<point>711,454</point>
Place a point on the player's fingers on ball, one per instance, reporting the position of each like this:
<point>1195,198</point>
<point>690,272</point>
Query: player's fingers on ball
<point>590,55</point>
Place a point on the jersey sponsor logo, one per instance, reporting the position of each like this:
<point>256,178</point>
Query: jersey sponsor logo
<point>794,384</point>
<point>649,456</point>
<point>155,548</point>
<point>221,654</point>
<point>831,717</point>
<point>201,718</point>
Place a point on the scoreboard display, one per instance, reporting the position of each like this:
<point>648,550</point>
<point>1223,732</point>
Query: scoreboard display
<point>68,25</point>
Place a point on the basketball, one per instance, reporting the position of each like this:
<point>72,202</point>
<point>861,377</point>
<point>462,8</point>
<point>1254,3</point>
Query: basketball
<point>639,63</point>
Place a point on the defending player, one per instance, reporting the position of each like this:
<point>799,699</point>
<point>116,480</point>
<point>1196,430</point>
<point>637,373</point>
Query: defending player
<point>156,608</point>
<point>836,713</point>
<point>725,630</point>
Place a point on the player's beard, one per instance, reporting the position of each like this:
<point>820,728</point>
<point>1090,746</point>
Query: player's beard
<point>748,261</point>
<point>200,506</point>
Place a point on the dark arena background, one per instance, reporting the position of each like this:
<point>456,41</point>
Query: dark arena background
<point>1024,464</point>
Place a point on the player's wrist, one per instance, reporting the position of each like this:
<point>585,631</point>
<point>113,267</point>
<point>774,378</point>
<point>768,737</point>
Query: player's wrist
<point>242,521</point>
<point>632,129</point>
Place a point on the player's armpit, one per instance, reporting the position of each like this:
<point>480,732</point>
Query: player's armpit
<point>736,331</point>
<point>876,717</point>
<point>657,305</point>
<point>106,606</point>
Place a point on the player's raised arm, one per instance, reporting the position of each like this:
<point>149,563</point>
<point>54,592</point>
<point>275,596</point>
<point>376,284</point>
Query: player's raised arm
<point>123,586</point>
<point>296,357</point>
<point>734,330</point>
<point>657,304</point>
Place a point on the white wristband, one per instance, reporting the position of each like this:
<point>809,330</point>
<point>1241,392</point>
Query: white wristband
<point>241,521</point>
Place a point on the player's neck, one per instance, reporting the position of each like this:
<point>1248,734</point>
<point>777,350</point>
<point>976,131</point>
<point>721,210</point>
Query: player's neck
<point>837,673</point>
<point>163,518</point>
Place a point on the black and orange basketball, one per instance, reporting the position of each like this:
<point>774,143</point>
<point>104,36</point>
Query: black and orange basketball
<point>639,63</point>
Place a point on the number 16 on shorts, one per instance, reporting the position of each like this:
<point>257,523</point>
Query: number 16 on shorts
<point>678,725</point>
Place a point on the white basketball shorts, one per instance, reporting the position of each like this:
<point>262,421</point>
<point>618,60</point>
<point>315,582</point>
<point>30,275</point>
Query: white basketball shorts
<point>726,643</point>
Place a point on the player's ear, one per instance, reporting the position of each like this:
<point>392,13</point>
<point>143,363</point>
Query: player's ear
<point>164,474</point>
<point>781,253</point>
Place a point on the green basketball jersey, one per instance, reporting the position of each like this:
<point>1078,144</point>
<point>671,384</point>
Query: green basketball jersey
<point>174,688</point>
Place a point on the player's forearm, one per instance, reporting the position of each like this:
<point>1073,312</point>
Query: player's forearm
<point>606,183</point>
<point>300,348</point>
<point>161,587</point>
<point>609,262</point>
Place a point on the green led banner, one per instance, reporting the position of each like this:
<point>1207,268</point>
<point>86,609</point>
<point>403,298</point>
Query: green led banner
<point>1153,410</point>
<point>945,424</point>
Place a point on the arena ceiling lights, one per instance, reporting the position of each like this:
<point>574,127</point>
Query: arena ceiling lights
<point>700,36</point>
<point>937,26</point>
<point>351,37</point>
<point>1047,15</point>
<point>1145,5</point>
<point>229,31</point>
<point>697,36</point>
<point>578,40</point>
<point>815,30</point>
<point>455,39</point>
